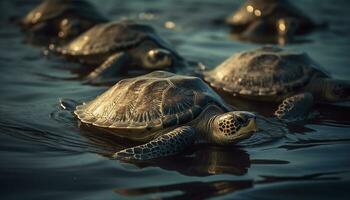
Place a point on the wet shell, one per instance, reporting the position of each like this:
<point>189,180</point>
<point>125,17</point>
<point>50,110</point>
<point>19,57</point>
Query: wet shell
<point>150,102</point>
<point>254,10</point>
<point>264,71</point>
<point>107,37</point>
<point>51,9</point>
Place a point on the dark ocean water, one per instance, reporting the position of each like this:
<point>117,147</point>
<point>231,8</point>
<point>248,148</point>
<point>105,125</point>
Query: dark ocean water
<point>44,154</point>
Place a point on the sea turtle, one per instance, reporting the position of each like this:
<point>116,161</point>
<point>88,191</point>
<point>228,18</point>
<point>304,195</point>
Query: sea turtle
<point>120,46</point>
<point>267,20</point>
<point>60,20</point>
<point>167,112</point>
<point>274,74</point>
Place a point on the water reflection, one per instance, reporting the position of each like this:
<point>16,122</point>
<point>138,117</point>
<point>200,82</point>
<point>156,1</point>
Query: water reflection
<point>307,143</point>
<point>333,115</point>
<point>27,101</point>
<point>190,190</point>
<point>205,160</point>
<point>202,190</point>
<point>200,160</point>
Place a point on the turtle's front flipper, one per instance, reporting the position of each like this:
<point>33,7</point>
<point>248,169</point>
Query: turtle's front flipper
<point>110,69</point>
<point>168,144</point>
<point>295,108</point>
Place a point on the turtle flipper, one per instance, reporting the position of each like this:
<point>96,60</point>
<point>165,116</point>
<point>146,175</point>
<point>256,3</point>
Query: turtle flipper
<point>110,69</point>
<point>295,108</point>
<point>168,144</point>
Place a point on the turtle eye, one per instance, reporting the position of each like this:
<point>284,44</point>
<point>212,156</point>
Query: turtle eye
<point>159,58</point>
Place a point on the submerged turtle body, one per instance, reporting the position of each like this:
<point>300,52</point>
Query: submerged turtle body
<point>268,21</point>
<point>120,46</point>
<point>274,74</point>
<point>61,20</point>
<point>166,111</point>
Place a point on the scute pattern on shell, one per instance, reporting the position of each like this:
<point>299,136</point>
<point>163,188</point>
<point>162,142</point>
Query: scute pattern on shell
<point>153,101</point>
<point>263,71</point>
<point>106,37</point>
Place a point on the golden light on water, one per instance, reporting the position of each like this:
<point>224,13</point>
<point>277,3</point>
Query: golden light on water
<point>257,13</point>
<point>146,16</point>
<point>79,43</point>
<point>281,26</point>
<point>237,17</point>
<point>281,40</point>
<point>282,29</point>
<point>36,17</point>
<point>250,8</point>
<point>64,22</point>
<point>253,10</point>
<point>169,24</point>
<point>61,34</point>
<point>51,46</point>
<point>76,48</point>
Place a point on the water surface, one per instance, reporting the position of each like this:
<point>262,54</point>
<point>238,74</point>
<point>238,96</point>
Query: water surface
<point>45,155</point>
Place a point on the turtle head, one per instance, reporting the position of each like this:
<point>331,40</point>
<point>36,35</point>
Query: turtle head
<point>233,126</point>
<point>158,59</point>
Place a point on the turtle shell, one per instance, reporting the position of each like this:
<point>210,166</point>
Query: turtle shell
<point>272,10</point>
<point>250,11</point>
<point>265,71</point>
<point>51,9</point>
<point>150,102</point>
<point>112,36</point>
